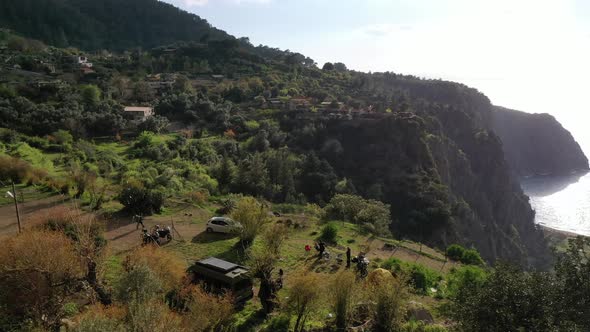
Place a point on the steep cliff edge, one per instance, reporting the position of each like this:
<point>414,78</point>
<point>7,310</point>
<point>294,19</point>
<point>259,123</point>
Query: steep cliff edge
<point>537,144</point>
<point>443,175</point>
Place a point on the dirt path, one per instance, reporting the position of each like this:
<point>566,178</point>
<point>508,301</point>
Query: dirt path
<point>123,234</point>
<point>8,224</point>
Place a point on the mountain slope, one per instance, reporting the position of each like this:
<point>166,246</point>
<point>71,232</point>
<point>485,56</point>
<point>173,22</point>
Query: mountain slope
<point>537,143</point>
<point>425,147</point>
<point>105,24</point>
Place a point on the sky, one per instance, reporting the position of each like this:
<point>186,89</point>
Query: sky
<point>529,55</point>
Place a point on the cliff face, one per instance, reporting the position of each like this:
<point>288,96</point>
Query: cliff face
<point>537,144</point>
<point>443,171</point>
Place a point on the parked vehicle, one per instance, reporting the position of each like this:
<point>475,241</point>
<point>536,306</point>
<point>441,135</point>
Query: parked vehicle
<point>223,225</point>
<point>219,276</point>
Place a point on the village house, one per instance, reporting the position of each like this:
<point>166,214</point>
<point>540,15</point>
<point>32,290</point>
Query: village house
<point>138,113</point>
<point>83,62</point>
<point>299,103</point>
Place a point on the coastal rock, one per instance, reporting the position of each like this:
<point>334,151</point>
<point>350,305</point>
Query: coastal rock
<point>537,144</point>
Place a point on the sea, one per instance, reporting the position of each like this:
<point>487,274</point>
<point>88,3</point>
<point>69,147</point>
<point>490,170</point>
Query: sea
<point>562,202</point>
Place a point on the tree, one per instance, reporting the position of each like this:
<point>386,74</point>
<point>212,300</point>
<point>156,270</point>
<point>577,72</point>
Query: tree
<point>141,201</point>
<point>252,215</point>
<point>339,66</point>
<point>508,300</point>
<point>304,297</point>
<point>182,85</point>
<point>155,124</point>
<point>328,66</point>
<point>262,264</point>
<point>573,274</point>
<point>90,95</point>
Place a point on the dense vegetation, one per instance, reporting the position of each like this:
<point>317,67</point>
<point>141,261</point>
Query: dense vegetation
<point>239,128</point>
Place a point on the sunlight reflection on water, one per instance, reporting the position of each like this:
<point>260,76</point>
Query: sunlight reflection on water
<point>561,202</point>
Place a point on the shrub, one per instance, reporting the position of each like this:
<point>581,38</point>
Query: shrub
<point>329,233</point>
<point>343,290</point>
<point>152,316</point>
<point>471,257</point>
<point>455,252</point>
<point>207,312</point>
<point>419,276</point>
<point>169,269</point>
<point>70,309</point>
<point>390,300</point>
<point>139,284</point>
<point>274,237</point>
<point>304,296</point>
<point>464,277</point>
<point>14,169</point>
<point>278,323</point>
<point>39,271</point>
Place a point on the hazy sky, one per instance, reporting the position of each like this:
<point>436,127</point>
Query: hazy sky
<point>530,55</point>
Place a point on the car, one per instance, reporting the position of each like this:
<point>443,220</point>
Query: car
<point>223,225</point>
<point>219,276</point>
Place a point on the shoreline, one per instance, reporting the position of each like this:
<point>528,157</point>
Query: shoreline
<point>558,239</point>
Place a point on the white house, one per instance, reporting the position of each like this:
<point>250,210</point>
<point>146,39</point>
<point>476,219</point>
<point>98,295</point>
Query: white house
<point>139,113</point>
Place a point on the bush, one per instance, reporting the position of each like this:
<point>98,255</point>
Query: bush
<point>304,298</point>
<point>420,277</point>
<point>390,301</point>
<point>139,284</point>
<point>14,169</point>
<point>70,309</point>
<point>329,233</point>
<point>455,252</point>
<point>464,277</point>
<point>168,267</point>
<point>343,291</point>
<point>471,257</point>
<point>39,270</point>
<point>278,324</point>
<point>207,312</point>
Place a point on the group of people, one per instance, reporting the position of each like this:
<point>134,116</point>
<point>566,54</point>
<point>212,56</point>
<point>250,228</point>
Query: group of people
<point>361,261</point>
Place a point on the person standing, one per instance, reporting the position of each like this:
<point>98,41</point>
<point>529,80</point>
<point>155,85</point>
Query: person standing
<point>347,257</point>
<point>322,246</point>
<point>138,220</point>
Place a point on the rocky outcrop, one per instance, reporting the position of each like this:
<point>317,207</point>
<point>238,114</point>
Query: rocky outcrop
<point>537,144</point>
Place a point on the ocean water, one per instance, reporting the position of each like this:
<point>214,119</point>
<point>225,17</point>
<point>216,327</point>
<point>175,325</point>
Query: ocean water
<point>561,202</point>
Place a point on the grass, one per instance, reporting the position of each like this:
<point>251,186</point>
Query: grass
<point>113,269</point>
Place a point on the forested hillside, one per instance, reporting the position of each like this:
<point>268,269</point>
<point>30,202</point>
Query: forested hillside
<point>111,24</point>
<point>136,113</point>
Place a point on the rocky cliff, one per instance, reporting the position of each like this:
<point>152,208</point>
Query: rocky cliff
<point>537,144</point>
<point>445,178</point>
